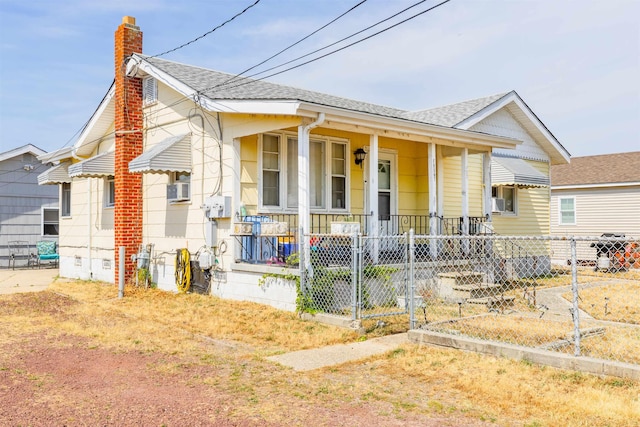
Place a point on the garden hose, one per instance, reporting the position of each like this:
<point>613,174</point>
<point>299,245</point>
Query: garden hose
<point>183,270</point>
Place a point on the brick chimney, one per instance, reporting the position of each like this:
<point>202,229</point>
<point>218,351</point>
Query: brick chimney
<point>128,139</point>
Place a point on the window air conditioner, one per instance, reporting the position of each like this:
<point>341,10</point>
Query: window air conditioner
<point>497,205</point>
<point>178,192</point>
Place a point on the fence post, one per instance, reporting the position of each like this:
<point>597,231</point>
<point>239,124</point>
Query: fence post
<point>574,288</point>
<point>302,262</point>
<point>412,280</point>
<point>355,241</point>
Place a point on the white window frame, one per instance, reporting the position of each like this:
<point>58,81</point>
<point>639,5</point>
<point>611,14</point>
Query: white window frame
<point>575,214</point>
<point>326,179</point>
<point>43,222</point>
<point>109,182</point>
<point>500,194</point>
<point>65,200</point>
<point>182,177</point>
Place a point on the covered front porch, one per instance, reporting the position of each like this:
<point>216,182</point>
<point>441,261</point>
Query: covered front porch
<point>338,180</point>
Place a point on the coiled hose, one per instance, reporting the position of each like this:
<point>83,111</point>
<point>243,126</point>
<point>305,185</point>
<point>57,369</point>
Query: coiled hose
<point>183,270</point>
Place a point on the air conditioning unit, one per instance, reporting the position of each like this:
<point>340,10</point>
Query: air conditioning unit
<point>497,205</point>
<point>178,192</point>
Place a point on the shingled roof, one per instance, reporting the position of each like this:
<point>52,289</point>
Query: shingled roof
<point>452,114</point>
<point>601,169</point>
<point>217,85</point>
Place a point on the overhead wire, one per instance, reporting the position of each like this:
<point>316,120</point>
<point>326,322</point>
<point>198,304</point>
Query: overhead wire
<point>208,32</point>
<point>249,81</point>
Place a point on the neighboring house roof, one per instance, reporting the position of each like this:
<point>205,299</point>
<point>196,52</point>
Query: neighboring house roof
<point>28,148</point>
<point>619,168</point>
<point>464,115</point>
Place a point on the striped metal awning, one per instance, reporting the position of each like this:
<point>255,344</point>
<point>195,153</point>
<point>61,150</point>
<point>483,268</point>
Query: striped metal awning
<point>96,166</point>
<point>169,155</point>
<point>512,171</point>
<point>57,174</point>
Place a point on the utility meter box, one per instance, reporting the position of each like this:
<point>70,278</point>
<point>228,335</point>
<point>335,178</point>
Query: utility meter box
<point>217,207</point>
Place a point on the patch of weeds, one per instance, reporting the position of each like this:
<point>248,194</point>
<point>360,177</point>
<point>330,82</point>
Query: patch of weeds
<point>436,406</point>
<point>437,364</point>
<point>533,424</point>
<point>369,396</point>
<point>620,382</point>
<point>501,371</point>
<point>396,353</point>
<point>322,390</point>
<point>362,338</point>
<point>526,362</point>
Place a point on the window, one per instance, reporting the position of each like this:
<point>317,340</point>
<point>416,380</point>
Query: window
<point>65,199</point>
<point>567,211</point>
<point>179,189</point>
<point>110,192</point>
<point>149,91</point>
<point>506,193</point>
<point>279,173</point>
<point>50,222</point>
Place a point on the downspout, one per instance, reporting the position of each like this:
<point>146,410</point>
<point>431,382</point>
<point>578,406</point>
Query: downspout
<point>303,184</point>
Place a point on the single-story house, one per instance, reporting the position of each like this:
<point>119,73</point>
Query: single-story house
<point>596,195</point>
<point>28,212</point>
<point>235,170</point>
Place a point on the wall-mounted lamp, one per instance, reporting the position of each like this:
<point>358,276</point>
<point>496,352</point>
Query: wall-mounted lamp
<point>360,155</point>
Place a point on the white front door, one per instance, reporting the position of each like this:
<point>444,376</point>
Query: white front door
<point>387,196</point>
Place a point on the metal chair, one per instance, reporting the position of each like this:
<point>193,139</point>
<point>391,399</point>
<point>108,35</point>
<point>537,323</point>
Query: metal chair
<point>47,251</point>
<point>20,249</point>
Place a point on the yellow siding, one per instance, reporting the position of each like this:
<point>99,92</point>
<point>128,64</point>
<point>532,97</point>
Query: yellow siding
<point>533,216</point>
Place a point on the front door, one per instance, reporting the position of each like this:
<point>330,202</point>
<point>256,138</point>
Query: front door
<point>387,194</point>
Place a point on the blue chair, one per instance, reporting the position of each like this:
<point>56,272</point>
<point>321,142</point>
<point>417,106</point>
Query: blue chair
<point>47,252</point>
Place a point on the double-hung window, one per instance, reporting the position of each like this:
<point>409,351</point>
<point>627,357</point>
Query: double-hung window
<point>567,210</point>
<point>50,222</point>
<point>279,173</point>
<point>508,195</point>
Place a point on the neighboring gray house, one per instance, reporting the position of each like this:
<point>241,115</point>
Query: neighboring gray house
<point>28,211</point>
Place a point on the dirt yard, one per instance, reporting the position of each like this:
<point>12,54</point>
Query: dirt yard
<point>75,355</point>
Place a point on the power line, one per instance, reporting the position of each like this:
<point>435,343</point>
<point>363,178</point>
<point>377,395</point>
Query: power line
<point>208,32</point>
<point>247,81</point>
<point>299,41</point>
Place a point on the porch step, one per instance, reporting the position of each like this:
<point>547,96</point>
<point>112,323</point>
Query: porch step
<point>493,302</point>
<point>476,290</point>
<point>460,278</point>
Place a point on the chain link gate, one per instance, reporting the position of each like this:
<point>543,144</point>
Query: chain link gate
<point>356,276</point>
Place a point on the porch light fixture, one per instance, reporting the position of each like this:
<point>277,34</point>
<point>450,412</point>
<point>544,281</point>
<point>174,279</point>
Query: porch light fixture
<point>360,155</point>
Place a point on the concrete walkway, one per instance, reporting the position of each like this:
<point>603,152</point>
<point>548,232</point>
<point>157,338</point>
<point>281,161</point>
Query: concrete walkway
<point>307,360</point>
<point>26,280</point>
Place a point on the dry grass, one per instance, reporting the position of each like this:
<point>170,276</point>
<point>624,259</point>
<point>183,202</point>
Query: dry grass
<point>619,302</point>
<point>412,379</point>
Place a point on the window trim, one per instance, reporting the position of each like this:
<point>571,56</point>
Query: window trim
<point>108,203</point>
<point>500,195</point>
<point>43,222</point>
<point>575,210</point>
<point>63,204</point>
<point>283,138</point>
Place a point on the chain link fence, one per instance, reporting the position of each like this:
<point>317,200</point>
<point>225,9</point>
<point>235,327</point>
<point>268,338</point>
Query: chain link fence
<point>579,296</point>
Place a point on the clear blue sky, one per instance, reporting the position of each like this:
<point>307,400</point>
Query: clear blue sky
<point>575,63</point>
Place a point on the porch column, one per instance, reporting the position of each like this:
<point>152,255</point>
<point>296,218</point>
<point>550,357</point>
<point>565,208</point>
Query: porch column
<point>465,199</point>
<point>373,195</point>
<point>304,211</point>
<point>236,193</point>
<point>303,191</point>
<point>486,190</point>
<point>433,199</point>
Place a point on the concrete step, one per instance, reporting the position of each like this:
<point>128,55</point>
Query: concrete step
<point>460,278</point>
<point>498,302</point>
<point>476,290</point>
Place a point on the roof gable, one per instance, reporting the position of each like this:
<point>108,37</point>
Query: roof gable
<point>28,148</point>
<point>616,168</point>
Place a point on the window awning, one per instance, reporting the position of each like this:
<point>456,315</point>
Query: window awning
<point>57,174</point>
<point>169,155</point>
<point>97,166</point>
<point>510,171</point>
